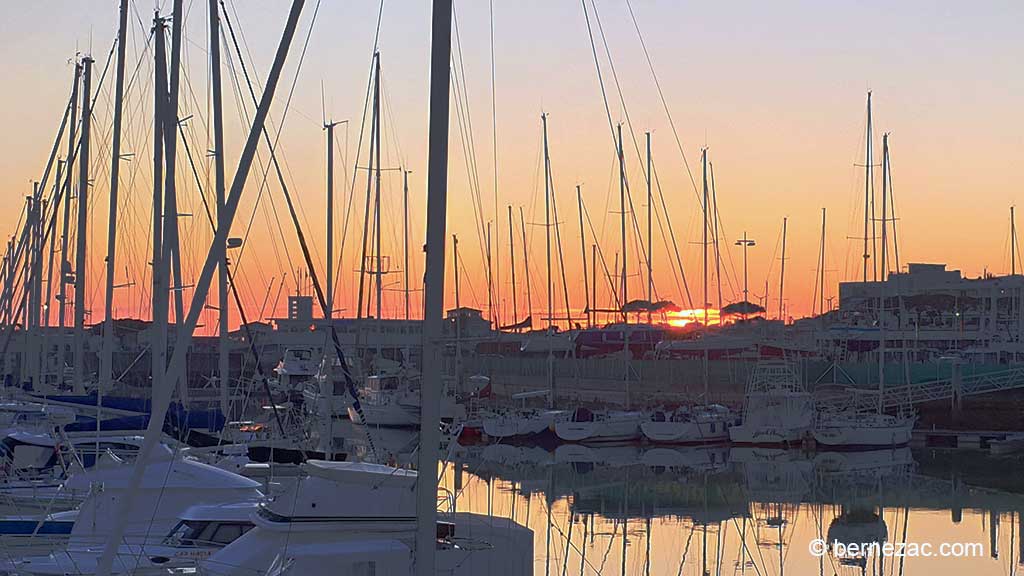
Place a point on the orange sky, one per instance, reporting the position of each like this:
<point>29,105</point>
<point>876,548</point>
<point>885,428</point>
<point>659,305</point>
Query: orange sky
<point>777,94</point>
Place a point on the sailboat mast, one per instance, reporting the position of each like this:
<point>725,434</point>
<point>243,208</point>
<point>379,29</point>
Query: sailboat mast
<point>868,204</point>
<point>782,272</point>
<point>547,244</point>
<point>78,342</point>
<point>366,206</point>
<point>158,343</point>
<point>885,212</point>
<point>622,226</point>
<point>171,244</point>
<point>458,306</point>
<point>547,223</point>
<point>593,281</point>
<point>526,268</point>
<point>107,359</point>
<point>329,296</point>
<point>65,264</point>
<point>433,289</point>
<point>378,261</point>
<point>821,268</point>
<point>405,236</point>
<point>885,273</point>
<point>512,256</point>
<point>223,358</point>
<point>650,245</point>
<point>704,232</point>
<point>583,253</point>
<point>1013,243</point>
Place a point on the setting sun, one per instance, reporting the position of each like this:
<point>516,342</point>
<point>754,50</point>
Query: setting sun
<point>696,315</point>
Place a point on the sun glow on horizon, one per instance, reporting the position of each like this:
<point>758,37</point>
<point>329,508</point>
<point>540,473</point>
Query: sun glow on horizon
<point>683,318</point>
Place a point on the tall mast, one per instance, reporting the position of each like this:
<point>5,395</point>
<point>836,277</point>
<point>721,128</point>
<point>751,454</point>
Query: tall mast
<point>47,301</point>
<point>378,267</point>
<point>405,236</point>
<point>868,201</point>
<point>458,305</point>
<point>492,317</point>
<point>526,268</point>
<point>369,190</point>
<point>81,230</point>
<point>650,245</point>
<point>223,358</point>
<point>547,244</point>
<point>547,225</point>
<point>704,233</point>
<point>329,126</point>
<point>433,290</point>
<point>704,270</point>
<point>622,224</point>
<point>1013,243</point>
<point>583,253</point>
<point>107,360</point>
<point>885,212</point>
<point>512,256</point>
<point>158,343</point>
<point>171,246</point>
<point>65,264</point>
<point>885,273</point>
<point>593,281</point>
<point>821,267</point>
<point>782,272</point>
<point>622,229</point>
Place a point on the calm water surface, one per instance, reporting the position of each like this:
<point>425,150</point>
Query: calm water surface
<point>716,510</point>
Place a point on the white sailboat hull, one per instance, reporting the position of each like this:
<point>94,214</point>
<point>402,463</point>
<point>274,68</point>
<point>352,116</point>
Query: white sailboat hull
<point>614,428</point>
<point>866,434</point>
<point>690,432</point>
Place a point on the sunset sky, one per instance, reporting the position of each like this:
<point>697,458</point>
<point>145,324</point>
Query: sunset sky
<point>776,91</point>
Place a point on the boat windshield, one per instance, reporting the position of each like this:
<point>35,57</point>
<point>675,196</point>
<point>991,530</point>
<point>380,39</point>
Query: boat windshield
<point>203,533</point>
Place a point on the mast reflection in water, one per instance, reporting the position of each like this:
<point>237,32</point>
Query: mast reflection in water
<point>721,510</point>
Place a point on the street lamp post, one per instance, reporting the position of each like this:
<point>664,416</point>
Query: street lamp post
<point>746,243</point>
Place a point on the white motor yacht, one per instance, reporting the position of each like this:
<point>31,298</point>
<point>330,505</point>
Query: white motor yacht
<point>359,518</point>
<point>777,410</point>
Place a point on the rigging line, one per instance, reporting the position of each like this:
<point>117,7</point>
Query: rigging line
<point>359,142</point>
<point>284,115</point>
<point>266,136</point>
<point>604,262</point>
<point>558,243</point>
<point>243,113</point>
<point>677,271</point>
<point>494,155</point>
<point>474,192</point>
<point>661,96</point>
<point>638,241</point>
<point>466,121</point>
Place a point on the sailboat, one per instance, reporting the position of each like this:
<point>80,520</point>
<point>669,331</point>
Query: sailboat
<point>857,426</point>
<point>523,422</point>
<point>700,423</point>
